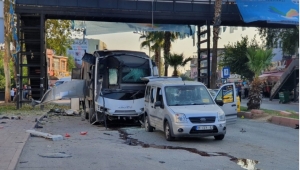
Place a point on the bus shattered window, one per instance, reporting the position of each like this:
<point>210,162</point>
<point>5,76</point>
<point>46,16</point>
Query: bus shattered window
<point>133,74</point>
<point>113,76</point>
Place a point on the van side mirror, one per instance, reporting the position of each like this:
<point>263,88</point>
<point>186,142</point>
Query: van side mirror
<point>157,104</point>
<point>220,102</point>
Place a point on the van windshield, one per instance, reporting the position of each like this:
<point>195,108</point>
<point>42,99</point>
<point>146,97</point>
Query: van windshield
<point>187,95</point>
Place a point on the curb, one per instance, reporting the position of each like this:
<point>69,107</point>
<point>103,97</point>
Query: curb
<point>13,163</point>
<point>284,121</point>
<point>278,120</point>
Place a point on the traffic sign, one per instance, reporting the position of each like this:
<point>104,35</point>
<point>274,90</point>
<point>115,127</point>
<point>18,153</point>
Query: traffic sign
<point>225,72</point>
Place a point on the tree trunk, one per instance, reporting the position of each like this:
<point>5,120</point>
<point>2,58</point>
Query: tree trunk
<point>217,23</point>
<point>157,60</point>
<point>7,57</point>
<point>6,60</point>
<point>255,94</point>
<point>175,73</point>
<point>167,46</point>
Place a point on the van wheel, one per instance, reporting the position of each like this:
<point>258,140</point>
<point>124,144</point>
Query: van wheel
<point>148,127</point>
<point>168,131</point>
<point>219,137</point>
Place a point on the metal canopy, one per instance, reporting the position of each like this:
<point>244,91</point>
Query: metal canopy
<point>192,12</point>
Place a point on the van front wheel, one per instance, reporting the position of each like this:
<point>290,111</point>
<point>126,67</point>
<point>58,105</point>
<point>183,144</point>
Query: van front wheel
<point>168,133</point>
<point>148,127</point>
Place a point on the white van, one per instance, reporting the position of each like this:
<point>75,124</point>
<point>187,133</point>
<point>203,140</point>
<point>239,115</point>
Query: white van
<point>62,80</point>
<point>184,109</point>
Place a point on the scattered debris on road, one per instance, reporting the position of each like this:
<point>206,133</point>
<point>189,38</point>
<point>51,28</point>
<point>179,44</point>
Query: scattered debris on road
<point>243,130</point>
<point>22,162</point>
<point>4,117</point>
<point>83,133</point>
<point>62,112</point>
<point>55,155</point>
<point>45,135</point>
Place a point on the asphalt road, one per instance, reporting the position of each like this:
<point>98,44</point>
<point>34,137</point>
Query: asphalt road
<point>262,146</point>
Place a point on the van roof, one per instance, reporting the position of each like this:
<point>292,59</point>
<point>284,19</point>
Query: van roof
<point>174,83</point>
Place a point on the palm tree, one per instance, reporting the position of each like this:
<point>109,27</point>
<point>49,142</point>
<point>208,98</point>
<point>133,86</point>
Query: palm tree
<point>155,40</point>
<point>259,60</point>
<point>147,42</point>
<point>168,38</point>
<point>176,60</point>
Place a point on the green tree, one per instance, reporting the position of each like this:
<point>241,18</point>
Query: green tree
<point>58,36</point>
<point>176,60</point>
<point>70,63</point>
<point>289,38</point>
<point>259,59</point>
<point>235,57</point>
<point>216,29</point>
<point>156,41</point>
<point>2,75</point>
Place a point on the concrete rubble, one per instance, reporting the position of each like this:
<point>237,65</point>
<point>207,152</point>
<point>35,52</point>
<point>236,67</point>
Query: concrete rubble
<point>45,135</point>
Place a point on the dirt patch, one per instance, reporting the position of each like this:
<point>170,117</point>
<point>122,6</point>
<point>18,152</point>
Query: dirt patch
<point>262,117</point>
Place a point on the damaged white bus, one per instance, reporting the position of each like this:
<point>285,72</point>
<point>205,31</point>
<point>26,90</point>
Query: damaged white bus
<point>110,87</point>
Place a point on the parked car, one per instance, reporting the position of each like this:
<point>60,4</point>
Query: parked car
<point>184,109</point>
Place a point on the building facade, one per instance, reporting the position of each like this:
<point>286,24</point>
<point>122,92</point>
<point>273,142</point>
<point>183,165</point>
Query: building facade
<point>57,65</point>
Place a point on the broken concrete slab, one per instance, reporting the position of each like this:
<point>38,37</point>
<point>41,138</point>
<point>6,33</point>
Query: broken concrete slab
<point>45,135</point>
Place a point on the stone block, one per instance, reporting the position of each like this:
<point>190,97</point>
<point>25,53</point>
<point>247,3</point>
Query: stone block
<point>257,111</point>
<point>284,121</point>
<point>247,115</point>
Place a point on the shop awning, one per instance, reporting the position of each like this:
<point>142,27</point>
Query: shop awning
<point>275,75</point>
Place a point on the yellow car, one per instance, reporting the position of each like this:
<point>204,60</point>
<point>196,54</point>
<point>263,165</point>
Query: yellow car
<point>227,98</point>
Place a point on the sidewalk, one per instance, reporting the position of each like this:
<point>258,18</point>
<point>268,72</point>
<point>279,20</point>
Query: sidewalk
<point>275,105</point>
<point>13,138</point>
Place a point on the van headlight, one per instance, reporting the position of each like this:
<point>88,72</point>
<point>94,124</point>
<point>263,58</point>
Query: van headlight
<point>221,116</point>
<point>180,118</point>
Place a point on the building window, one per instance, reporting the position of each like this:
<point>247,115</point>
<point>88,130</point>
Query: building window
<point>63,65</point>
<point>56,64</point>
<point>97,47</point>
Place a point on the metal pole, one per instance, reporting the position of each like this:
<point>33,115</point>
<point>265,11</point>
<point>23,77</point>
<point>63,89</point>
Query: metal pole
<point>208,53</point>
<point>18,64</point>
<point>295,86</point>
<point>42,48</point>
<point>198,51</point>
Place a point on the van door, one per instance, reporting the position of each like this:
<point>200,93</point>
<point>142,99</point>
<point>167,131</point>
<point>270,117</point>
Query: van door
<point>227,93</point>
<point>159,110</point>
<point>151,109</point>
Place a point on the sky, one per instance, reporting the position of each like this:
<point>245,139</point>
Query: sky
<point>131,41</point>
